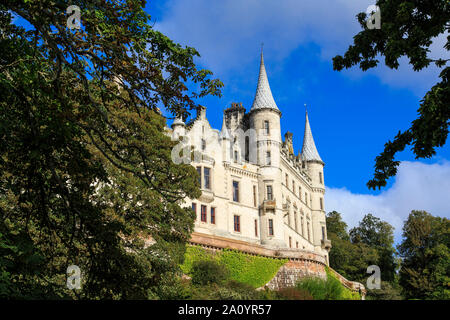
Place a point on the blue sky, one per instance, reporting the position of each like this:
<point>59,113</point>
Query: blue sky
<point>352,113</point>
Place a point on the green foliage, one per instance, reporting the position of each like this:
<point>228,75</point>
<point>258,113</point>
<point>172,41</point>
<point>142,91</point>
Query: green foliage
<point>349,259</point>
<point>336,225</point>
<point>407,29</point>
<point>388,291</point>
<point>85,167</point>
<point>229,290</point>
<point>255,271</point>
<point>326,289</point>
<point>425,271</point>
<point>208,271</point>
<point>293,293</point>
<point>379,235</point>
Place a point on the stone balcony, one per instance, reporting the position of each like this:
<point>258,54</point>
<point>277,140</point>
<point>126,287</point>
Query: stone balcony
<point>326,244</point>
<point>269,204</point>
<point>207,196</point>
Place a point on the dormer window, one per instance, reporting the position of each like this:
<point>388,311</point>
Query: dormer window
<point>266,127</point>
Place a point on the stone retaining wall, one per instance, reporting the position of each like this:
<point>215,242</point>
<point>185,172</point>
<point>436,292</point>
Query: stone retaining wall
<point>292,271</point>
<point>301,263</point>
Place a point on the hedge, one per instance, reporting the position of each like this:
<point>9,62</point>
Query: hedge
<point>255,271</point>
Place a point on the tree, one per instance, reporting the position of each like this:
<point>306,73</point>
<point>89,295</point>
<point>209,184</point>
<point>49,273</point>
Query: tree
<point>336,225</point>
<point>407,29</point>
<point>86,176</point>
<point>349,259</point>
<point>379,235</point>
<point>425,269</point>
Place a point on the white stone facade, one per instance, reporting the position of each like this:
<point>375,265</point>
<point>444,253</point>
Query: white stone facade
<point>254,188</point>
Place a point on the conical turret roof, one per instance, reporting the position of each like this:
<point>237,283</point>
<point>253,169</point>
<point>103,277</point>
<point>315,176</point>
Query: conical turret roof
<point>263,96</point>
<point>224,134</point>
<point>309,150</point>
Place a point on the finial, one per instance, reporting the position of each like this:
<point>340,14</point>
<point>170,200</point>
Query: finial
<point>306,108</point>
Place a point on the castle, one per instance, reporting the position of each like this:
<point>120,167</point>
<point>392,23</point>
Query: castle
<point>255,189</point>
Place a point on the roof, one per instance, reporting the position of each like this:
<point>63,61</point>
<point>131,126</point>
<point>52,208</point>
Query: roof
<point>263,97</point>
<point>309,150</point>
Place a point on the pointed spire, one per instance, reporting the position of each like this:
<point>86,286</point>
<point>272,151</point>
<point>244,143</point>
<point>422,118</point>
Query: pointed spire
<point>224,134</point>
<point>309,150</point>
<point>263,96</point>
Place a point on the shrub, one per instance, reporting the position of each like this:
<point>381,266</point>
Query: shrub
<point>329,289</point>
<point>208,271</point>
<point>255,271</point>
<point>293,294</point>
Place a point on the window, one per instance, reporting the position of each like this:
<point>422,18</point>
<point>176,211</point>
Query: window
<point>236,191</point>
<point>213,215</point>
<point>266,127</point>
<point>293,186</point>
<point>300,193</point>
<point>307,226</point>
<point>194,208</point>
<point>295,220</point>
<point>235,156</point>
<point>269,193</point>
<point>203,214</point>
<point>254,196</point>
<point>268,160</point>
<point>290,242</point>
<point>320,178</point>
<point>302,224</point>
<point>287,180</point>
<point>203,144</point>
<point>321,203</point>
<point>206,174</point>
<point>270,227</point>
<point>296,244</point>
<point>247,148</point>
<point>199,170</point>
<point>256,228</point>
<point>237,223</point>
<point>323,233</point>
<point>306,198</point>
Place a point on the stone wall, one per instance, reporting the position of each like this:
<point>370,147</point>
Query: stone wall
<point>301,263</point>
<point>292,271</point>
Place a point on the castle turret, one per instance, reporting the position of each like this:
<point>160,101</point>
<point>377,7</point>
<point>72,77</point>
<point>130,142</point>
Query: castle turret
<point>314,166</point>
<point>225,141</point>
<point>178,127</point>
<point>265,119</point>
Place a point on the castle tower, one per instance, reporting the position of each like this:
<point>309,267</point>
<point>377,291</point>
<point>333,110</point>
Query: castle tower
<point>225,142</point>
<point>265,117</point>
<point>178,127</point>
<point>314,166</point>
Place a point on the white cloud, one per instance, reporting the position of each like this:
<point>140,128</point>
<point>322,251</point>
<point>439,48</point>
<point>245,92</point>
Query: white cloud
<point>228,33</point>
<point>417,186</point>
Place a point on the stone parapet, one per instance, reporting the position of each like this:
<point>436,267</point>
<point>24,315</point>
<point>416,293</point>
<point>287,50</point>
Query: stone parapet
<point>217,242</point>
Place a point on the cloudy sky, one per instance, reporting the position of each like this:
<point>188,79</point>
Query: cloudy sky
<point>352,113</point>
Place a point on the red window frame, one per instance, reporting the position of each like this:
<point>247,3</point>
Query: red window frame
<point>213,215</point>
<point>203,214</point>
<point>237,223</point>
